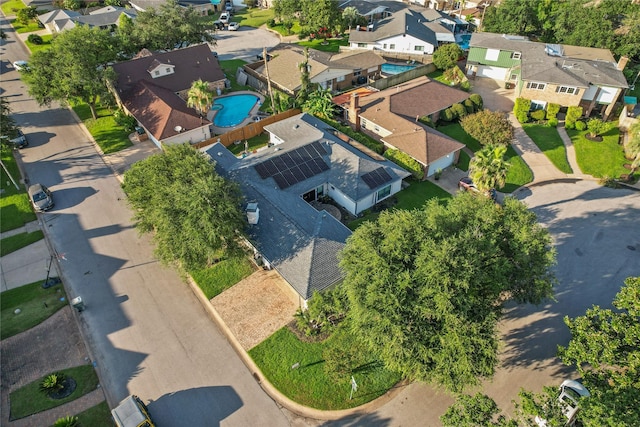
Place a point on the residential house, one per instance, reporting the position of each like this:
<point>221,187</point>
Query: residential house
<point>335,71</point>
<point>153,88</point>
<point>368,10</point>
<point>201,6</point>
<point>408,32</point>
<point>549,73</point>
<point>105,18</point>
<point>306,161</point>
<point>391,116</point>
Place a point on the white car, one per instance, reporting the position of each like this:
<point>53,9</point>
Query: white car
<point>21,65</point>
<point>570,393</point>
<point>233,26</point>
<point>224,18</point>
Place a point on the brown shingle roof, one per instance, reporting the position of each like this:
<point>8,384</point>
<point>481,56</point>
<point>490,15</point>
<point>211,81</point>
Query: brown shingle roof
<point>161,110</point>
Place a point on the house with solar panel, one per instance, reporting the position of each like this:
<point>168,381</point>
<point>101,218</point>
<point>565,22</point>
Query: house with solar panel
<point>306,161</point>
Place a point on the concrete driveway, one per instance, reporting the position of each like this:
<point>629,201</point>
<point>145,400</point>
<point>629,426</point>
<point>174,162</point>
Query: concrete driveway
<point>495,97</point>
<point>244,43</point>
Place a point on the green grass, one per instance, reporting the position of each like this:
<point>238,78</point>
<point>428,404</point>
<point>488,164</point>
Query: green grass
<point>15,208</point>
<point>46,44</point>
<point>254,143</point>
<point>332,45</point>
<point>97,416</point>
<point>455,131</point>
<point>10,6</point>
<point>309,385</point>
<point>30,27</point>
<point>254,17</point>
<point>599,159</point>
<point>413,197</point>
<point>226,273</point>
<point>519,173</point>
<point>463,161</point>
<point>549,142</point>
<point>107,134</point>
<point>35,303</point>
<point>19,241</point>
<point>229,68</point>
<point>29,399</point>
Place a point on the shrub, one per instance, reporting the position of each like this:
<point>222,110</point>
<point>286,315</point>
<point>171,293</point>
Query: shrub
<point>405,161</point>
<point>458,110</point>
<point>552,110</point>
<point>488,127</point>
<point>538,115</point>
<point>68,421</point>
<point>26,14</point>
<point>580,125</point>
<point>426,120</point>
<point>469,106</point>
<point>72,4</point>
<point>447,115</point>
<point>522,117</point>
<point>552,122</point>
<point>34,38</point>
<point>126,121</point>
<point>271,23</point>
<point>465,86</point>
<point>52,383</point>
<point>477,101</point>
<point>596,127</point>
<point>573,114</point>
<point>362,139</point>
<point>521,109</point>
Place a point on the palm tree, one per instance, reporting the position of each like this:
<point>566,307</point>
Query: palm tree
<point>320,103</point>
<point>200,97</point>
<point>488,168</point>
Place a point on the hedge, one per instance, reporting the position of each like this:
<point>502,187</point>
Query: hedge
<point>477,101</point>
<point>573,114</point>
<point>521,109</point>
<point>552,110</point>
<point>406,162</point>
<point>368,142</point>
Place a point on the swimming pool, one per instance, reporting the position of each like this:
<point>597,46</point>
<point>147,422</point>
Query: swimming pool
<point>233,109</point>
<point>389,68</point>
<point>463,41</point>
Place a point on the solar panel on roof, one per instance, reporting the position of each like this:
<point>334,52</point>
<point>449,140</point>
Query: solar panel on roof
<point>282,183</point>
<point>280,164</point>
<point>262,170</point>
<point>288,175</point>
<point>383,175</point>
<point>319,148</point>
<point>323,166</point>
<point>369,181</point>
<point>298,174</point>
<point>295,155</point>
<point>286,158</point>
<point>314,167</point>
<point>271,168</point>
<point>306,170</point>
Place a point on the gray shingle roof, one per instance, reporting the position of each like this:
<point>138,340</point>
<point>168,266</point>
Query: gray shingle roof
<point>300,242</point>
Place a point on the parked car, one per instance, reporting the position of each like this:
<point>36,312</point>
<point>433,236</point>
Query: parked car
<point>20,141</point>
<point>224,17</point>
<point>233,26</point>
<point>214,53</point>
<point>218,24</point>
<point>40,197</point>
<point>570,393</point>
<point>467,184</point>
<point>21,65</point>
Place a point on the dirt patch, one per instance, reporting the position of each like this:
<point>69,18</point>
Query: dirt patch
<point>256,307</point>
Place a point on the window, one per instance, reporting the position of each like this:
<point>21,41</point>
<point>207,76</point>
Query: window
<point>156,73</point>
<point>538,105</point>
<point>384,46</point>
<point>536,86</point>
<point>492,54</point>
<point>385,192</point>
<point>567,89</point>
<point>515,55</point>
<point>363,45</point>
<point>320,190</point>
<point>514,77</point>
<point>340,79</point>
<point>357,73</point>
<point>167,70</point>
<point>419,48</point>
<point>392,46</point>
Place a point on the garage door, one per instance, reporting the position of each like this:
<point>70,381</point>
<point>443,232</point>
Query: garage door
<point>441,163</point>
<point>497,73</point>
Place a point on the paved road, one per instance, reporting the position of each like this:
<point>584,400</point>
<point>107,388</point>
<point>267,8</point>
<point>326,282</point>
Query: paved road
<point>148,333</point>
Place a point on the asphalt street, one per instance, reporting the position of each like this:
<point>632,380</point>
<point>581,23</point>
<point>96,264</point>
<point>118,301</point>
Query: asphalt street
<point>148,333</point>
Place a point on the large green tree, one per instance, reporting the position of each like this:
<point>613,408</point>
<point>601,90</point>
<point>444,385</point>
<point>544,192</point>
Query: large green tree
<point>8,128</point>
<point>320,103</point>
<point>75,68</point>
<point>170,25</point>
<point>488,168</point>
<point>320,14</point>
<point>193,212</point>
<point>475,411</point>
<point>447,56</point>
<point>488,127</point>
<point>285,9</point>
<point>426,287</point>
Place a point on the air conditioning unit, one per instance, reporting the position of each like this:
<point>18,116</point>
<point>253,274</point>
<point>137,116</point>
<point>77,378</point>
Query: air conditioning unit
<point>253,213</point>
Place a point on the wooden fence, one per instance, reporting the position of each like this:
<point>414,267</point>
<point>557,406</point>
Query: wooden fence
<point>246,132</point>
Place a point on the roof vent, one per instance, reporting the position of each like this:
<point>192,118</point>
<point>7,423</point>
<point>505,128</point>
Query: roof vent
<point>253,213</point>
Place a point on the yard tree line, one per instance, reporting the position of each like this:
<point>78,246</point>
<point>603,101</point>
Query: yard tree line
<point>604,349</point>
<point>76,67</point>
<point>607,24</point>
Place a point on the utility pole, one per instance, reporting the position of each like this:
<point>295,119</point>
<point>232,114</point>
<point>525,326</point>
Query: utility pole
<point>266,71</point>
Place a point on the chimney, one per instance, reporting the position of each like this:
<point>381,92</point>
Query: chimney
<point>253,213</point>
<point>622,62</point>
<point>354,112</point>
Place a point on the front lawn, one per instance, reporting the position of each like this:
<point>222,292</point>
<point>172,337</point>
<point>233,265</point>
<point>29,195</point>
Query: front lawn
<point>97,416</point>
<point>332,45</point>
<point>10,7</point>
<point>46,44</point>
<point>309,384</point>
<point>455,131</point>
<point>15,208</point>
<point>30,27</point>
<point>222,275</point>
<point>599,159</point>
<point>519,172</point>
<point>107,134</point>
<point>549,142</point>
<point>29,399</point>
<point>35,303</point>
<point>412,197</point>
<point>19,241</point>
<point>254,17</point>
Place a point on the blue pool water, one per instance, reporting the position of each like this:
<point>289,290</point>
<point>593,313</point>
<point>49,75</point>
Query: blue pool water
<point>233,109</point>
<point>463,41</point>
<point>395,68</point>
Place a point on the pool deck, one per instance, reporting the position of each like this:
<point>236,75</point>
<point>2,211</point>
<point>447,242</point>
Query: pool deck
<point>253,113</point>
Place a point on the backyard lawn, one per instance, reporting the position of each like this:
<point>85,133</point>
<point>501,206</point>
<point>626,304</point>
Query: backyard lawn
<point>549,142</point>
<point>599,159</point>
<point>309,384</point>
<point>332,45</point>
